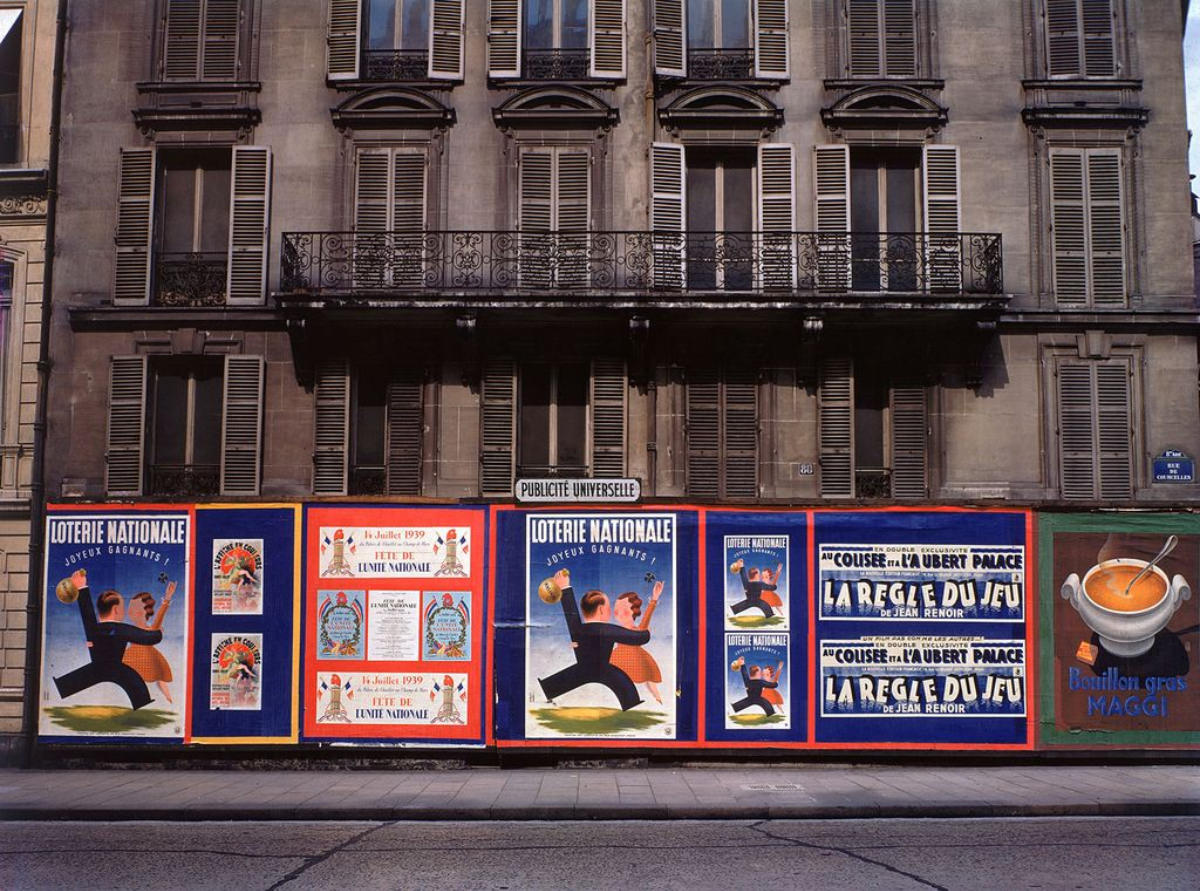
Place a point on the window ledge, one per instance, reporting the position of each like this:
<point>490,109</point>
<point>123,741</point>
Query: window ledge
<point>95,318</point>
<point>151,120</point>
<point>23,192</point>
<point>1082,83</point>
<point>1112,116</point>
<point>854,83</point>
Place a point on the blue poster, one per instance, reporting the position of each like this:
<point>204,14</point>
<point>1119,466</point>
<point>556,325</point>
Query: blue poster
<point>921,627</point>
<point>114,644</point>
<point>756,681</point>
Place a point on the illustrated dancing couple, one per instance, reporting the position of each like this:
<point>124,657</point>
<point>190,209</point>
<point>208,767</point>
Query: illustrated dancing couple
<point>609,644</point>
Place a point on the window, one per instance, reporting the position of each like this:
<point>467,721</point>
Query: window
<point>556,39</point>
<point>551,419</point>
<point>201,40</point>
<point>721,39</point>
<point>1095,427</point>
<point>873,430</point>
<point>720,207</point>
<point>192,226</point>
<point>8,353</point>
<point>395,40</point>
<point>1088,226</point>
<point>1080,38</point>
<point>554,209</point>
<point>185,425</point>
<point>881,38</point>
<point>389,216</point>
<point>722,433</point>
<point>11,25</point>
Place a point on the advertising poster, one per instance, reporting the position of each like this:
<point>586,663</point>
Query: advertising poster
<point>114,644</point>
<point>921,630</point>
<point>237,577</point>
<point>237,667</point>
<point>757,692</point>
<point>600,632</point>
<point>1120,642</point>
<point>394,643</point>
<point>245,641</point>
<point>756,587</point>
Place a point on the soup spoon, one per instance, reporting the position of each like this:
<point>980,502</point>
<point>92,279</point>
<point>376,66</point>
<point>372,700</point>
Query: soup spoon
<point>1167,547</point>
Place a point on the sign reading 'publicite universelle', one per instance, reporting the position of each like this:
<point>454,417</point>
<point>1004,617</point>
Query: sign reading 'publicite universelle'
<point>574,490</point>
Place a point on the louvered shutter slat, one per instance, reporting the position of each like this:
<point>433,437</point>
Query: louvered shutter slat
<point>181,53</point>
<point>739,434</point>
<point>446,40</point>
<point>909,436</point>
<point>607,31</point>
<point>345,22</point>
<point>332,427</point>
<point>835,420</point>
<point>220,52</point>
<point>668,213</point>
<point>831,170</point>
<point>1106,227</point>
<point>126,433</point>
<point>241,425</point>
<point>135,205</point>
<point>943,252</point>
<point>704,433</point>
<point>250,212</point>
<point>670,38</point>
<point>609,390</point>
<point>405,432</point>
<point>498,419</point>
<point>504,38</point>
<point>777,215</point>
<point>1070,234</point>
<point>771,53</point>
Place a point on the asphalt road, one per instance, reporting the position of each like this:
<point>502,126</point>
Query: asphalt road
<point>1088,853</point>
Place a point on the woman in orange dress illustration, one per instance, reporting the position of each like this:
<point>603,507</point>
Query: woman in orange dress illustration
<point>631,658</point>
<point>771,694</point>
<point>145,659</point>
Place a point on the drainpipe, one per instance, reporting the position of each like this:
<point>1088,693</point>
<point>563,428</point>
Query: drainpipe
<point>37,485</point>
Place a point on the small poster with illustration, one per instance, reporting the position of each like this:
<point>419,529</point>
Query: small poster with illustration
<point>236,672</point>
<point>237,576</point>
<point>390,698</point>
<point>393,626</point>
<point>381,552</point>
<point>756,585</point>
<point>757,684</point>
<point>340,624</point>
<point>447,621</point>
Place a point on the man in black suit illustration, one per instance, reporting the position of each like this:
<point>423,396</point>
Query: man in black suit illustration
<point>754,586</point>
<point>755,684</point>
<point>593,638</point>
<point>107,639</point>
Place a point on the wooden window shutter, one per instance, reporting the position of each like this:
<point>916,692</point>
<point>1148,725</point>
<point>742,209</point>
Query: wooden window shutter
<point>249,224</point>
<point>739,434</point>
<point>405,432</point>
<point>1106,227</point>
<point>126,434</point>
<point>332,426</point>
<point>910,429</point>
<point>899,38</point>
<point>498,412</point>
<point>835,421</point>
<point>670,38</point>
<point>1099,54</point>
<point>408,217</point>
<point>446,40</point>
<point>345,36</point>
<point>222,20</point>
<point>536,216</point>
<point>704,433</point>
<point>668,213</point>
<point>241,425</point>
<point>940,175</point>
<point>862,26</point>
<point>606,23</point>
<point>777,215</point>
<point>372,190</point>
<point>771,52</point>
<point>1068,221</point>
<point>135,225</point>
<point>1076,434</point>
<point>504,38</point>
<point>609,390</point>
<point>572,212</point>
<point>1062,37</point>
<point>181,47</point>
<point>1114,429</point>
<point>831,171</point>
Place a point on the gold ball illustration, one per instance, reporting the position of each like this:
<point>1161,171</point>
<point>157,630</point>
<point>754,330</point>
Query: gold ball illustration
<point>549,591</point>
<point>66,591</point>
<point>736,566</point>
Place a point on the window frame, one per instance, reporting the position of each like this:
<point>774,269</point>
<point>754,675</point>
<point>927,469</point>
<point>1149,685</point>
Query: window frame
<point>553,467</point>
<point>924,44</point>
<point>191,366</point>
<point>247,12</point>
<point>1120,51</point>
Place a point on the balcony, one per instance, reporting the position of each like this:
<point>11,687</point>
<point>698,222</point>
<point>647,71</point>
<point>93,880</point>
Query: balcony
<point>555,64</point>
<point>720,64</point>
<point>185,479</point>
<point>642,266</point>
<point>393,65</point>
<point>190,279</point>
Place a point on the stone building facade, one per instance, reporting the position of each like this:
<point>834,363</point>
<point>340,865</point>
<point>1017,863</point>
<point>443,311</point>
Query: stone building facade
<point>749,251</point>
<point>27,36</point>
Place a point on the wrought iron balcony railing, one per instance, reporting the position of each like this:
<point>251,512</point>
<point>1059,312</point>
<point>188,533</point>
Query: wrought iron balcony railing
<point>720,64</point>
<point>555,64</point>
<point>778,264</point>
<point>185,479</point>
<point>190,279</point>
<point>395,65</point>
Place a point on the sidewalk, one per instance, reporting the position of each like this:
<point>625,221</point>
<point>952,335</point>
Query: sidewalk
<point>721,793</point>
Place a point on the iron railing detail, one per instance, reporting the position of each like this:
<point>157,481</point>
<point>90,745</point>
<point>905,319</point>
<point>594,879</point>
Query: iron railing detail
<point>190,279</point>
<point>396,65</point>
<point>555,64</point>
<point>185,479</point>
<point>685,263</point>
<point>720,64</point>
